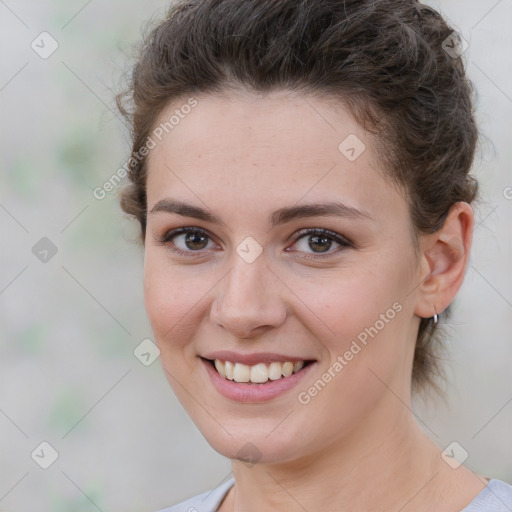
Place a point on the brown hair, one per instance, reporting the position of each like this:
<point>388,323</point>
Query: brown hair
<point>385,60</point>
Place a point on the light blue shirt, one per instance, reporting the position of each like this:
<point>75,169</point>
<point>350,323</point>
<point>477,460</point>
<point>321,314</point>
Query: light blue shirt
<point>496,497</point>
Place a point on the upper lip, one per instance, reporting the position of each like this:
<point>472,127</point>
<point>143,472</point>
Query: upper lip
<point>254,358</point>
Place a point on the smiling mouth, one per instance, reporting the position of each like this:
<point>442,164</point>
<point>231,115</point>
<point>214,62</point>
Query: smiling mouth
<point>259,373</point>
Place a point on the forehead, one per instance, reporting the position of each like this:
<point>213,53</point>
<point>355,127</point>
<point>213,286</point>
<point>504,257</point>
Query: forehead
<point>269,149</point>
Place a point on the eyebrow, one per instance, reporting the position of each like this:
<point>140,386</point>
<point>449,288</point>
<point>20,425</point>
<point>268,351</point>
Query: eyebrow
<point>281,216</point>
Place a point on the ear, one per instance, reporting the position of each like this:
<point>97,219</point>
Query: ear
<point>444,258</point>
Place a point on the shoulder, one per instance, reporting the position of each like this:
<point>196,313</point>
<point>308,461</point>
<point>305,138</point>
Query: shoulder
<point>206,502</point>
<point>496,497</point>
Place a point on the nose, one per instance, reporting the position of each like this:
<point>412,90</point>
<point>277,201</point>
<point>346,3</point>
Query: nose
<point>249,302</point>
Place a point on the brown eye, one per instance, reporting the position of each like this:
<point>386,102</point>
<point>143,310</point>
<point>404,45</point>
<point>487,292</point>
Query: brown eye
<point>186,240</point>
<point>196,241</point>
<point>320,241</point>
<point>323,243</point>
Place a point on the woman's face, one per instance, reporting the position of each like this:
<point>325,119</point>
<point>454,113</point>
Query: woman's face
<point>261,281</point>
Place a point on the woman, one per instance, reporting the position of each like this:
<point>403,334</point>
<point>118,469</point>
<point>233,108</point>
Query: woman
<point>300,172</point>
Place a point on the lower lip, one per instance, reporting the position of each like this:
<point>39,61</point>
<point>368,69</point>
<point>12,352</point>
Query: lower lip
<point>253,393</point>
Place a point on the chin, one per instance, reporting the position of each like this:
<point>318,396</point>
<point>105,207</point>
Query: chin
<point>252,446</point>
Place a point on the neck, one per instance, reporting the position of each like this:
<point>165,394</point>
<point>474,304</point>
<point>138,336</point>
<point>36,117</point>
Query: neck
<point>399,469</point>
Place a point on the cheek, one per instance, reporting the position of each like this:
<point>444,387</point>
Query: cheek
<point>347,301</point>
<point>359,316</point>
<point>171,298</point>
<point>364,354</point>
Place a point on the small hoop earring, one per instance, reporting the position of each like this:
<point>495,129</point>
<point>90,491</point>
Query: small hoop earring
<point>436,318</point>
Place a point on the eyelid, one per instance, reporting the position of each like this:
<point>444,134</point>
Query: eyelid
<point>343,242</point>
<point>166,240</point>
<point>171,233</point>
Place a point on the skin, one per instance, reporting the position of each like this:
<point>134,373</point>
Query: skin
<point>242,157</point>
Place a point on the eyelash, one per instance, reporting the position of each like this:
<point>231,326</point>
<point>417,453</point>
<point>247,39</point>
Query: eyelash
<point>341,240</point>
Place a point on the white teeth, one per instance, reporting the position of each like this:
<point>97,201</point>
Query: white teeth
<point>298,366</point>
<point>242,373</point>
<point>219,365</point>
<point>287,369</point>
<point>258,373</point>
<point>228,368</point>
<point>274,371</point>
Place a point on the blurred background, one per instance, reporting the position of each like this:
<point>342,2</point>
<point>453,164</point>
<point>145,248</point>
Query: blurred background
<point>71,308</point>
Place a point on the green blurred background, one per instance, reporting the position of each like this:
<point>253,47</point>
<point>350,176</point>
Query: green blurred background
<point>70,321</point>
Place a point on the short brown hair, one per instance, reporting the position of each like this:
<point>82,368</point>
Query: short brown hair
<point>383,59</point>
